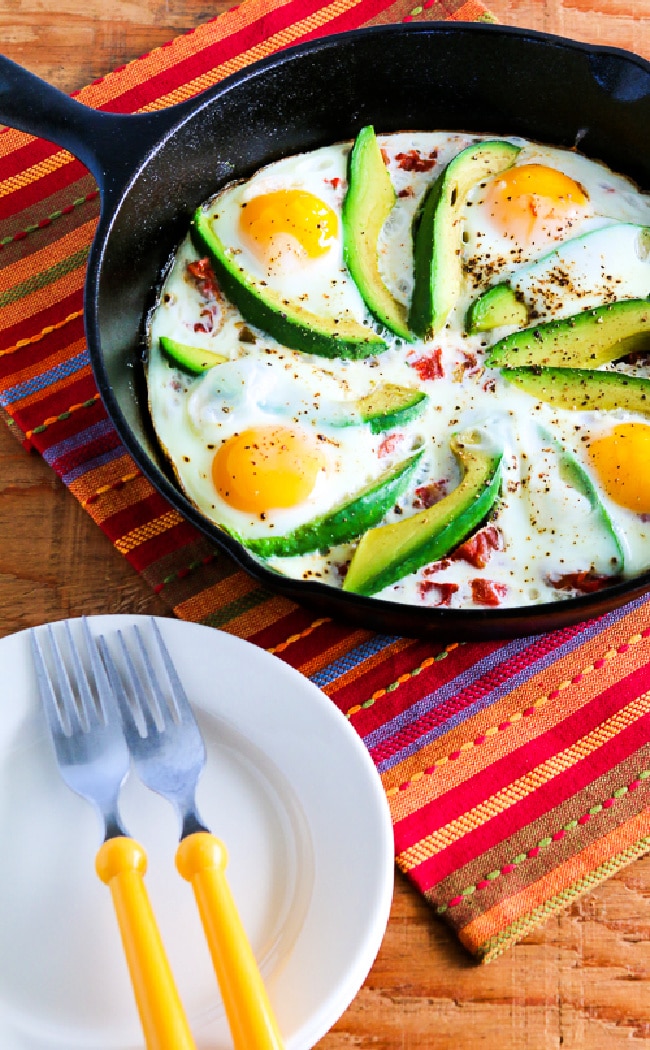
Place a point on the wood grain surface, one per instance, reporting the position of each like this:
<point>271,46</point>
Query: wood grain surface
<point>583,980</point>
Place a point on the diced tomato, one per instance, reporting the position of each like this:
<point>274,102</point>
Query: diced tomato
<point>437,593</point>
<point>334,183</point>
<point>470,363</point>
<point>414,161</point>
<point>202,272</point>
<point>585,582</point>
<point>478,548</point>
<point>488,592</point>
<point>430,366</point>
<point>427,495</point>
<point>436,566</point>
<point>389,444</point>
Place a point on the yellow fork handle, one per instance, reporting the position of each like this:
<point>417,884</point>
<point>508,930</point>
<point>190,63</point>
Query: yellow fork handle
<point>121,864</point>
<point>201,859</point>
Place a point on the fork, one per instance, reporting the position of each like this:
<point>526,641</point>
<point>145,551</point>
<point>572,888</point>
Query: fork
<point>169,755</point>
<point>93,759</point>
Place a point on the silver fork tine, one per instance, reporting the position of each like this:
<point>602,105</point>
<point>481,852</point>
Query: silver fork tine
<point>167,728</point>
<point>58,718</point>
<point>169,755</point>
<point>93,758</point>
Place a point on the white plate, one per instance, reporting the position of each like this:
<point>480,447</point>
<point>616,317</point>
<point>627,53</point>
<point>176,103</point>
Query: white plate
<point>290,788</point>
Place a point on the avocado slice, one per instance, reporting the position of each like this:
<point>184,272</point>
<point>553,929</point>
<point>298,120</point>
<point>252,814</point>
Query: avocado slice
<point>523,295</point>
<point>368,202</point>
<point>389,552</point>
<point>346,522</point>
<point>582,389</point>
<point>292,326</point>
<point>500,305</point>
<point>586,340</point>
<point>438,232</point>
<point>193,360</point>
<point>389,406</point>
<point>573,473</point>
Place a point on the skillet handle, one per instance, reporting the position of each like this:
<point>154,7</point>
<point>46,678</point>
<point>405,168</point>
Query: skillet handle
<point>109,144</point>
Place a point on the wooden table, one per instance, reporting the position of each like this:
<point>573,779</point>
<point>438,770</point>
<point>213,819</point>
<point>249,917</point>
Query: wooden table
<point>583,980</point>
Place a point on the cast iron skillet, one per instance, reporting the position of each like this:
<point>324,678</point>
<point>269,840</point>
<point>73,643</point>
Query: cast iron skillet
<point>154,169</point>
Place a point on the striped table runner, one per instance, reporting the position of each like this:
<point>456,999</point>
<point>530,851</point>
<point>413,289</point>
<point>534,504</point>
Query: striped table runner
<point>517,773</point>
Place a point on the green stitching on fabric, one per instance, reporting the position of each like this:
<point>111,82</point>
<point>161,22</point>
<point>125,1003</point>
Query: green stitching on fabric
<point>62,417</point>
<point>236,608</point>
<point>543,843</point>
<point>43,224</point>
<point>496,945</point>
<point>186,570</point>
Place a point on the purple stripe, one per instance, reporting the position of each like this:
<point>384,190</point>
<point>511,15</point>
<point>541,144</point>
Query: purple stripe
<point>83,437</point>
<point>92,464</point>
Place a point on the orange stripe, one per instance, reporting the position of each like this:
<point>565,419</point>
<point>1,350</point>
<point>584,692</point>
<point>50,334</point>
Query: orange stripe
<point>200,605</point>
<point>519,911</point>
<point>98,478</point>
<point>258,619</point>
<point>37,171</point>
<point>155,527</point>
<point>519,789</point>
<point>471,12</point>
<point>575,694</point>
<point>132,489</point>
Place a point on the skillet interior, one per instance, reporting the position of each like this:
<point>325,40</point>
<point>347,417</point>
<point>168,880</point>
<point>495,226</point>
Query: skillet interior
<point>478,78</point>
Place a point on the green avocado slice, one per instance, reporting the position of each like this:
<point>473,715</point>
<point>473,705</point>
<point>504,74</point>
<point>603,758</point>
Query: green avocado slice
<point>391,406</point>
<point>344,523</point>
<point>193,360</point>
<point>368,202</point>
<point>438,233</point>
<point>573,473</point>
<point>292,326</point>
<point>387,407</point>
<point>585,340</point>
<point>390,552</point>
<point>500,305</point>
<point>582,389</point>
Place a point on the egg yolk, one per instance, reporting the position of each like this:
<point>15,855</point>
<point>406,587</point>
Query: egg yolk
<point>288,215</point>
<point>620,459</point>
<point>267,468</point>
<point>533,200</point>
